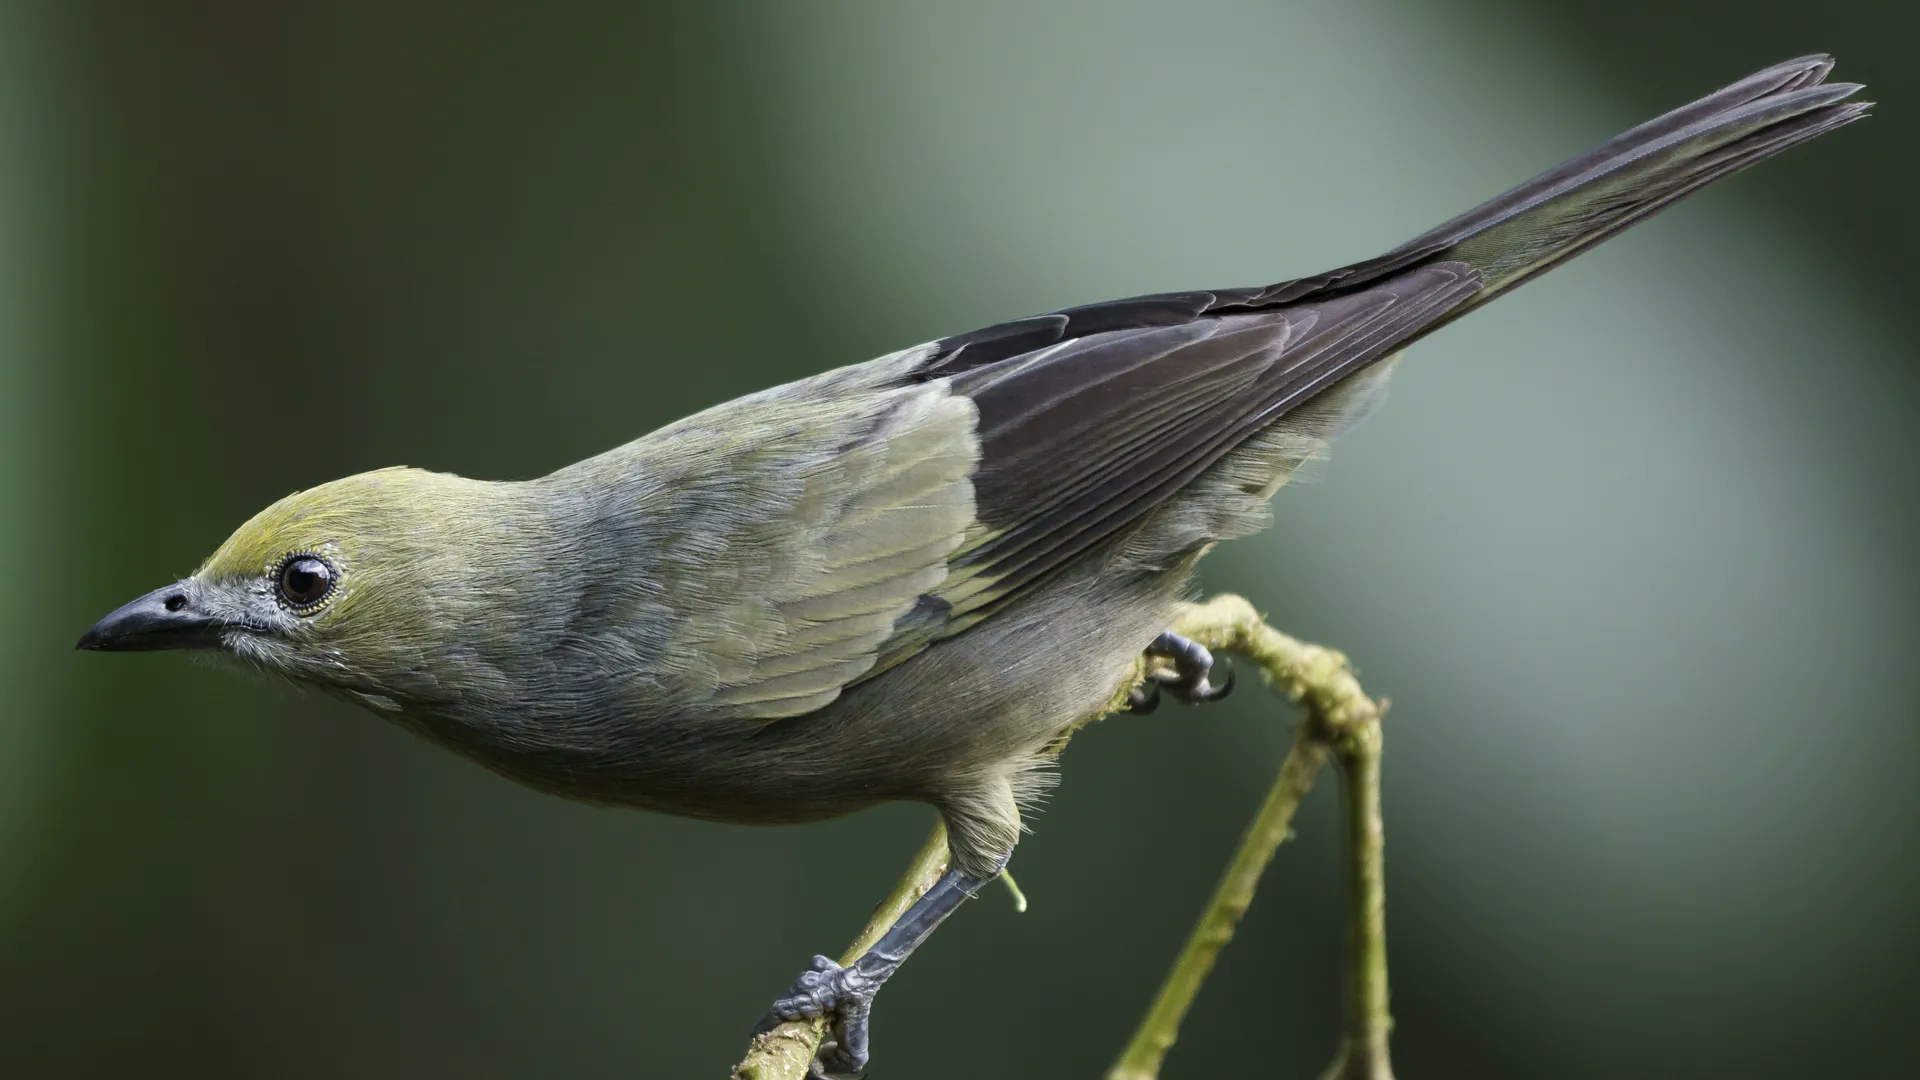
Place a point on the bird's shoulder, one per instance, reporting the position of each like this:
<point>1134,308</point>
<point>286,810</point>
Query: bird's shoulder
<point>788,535</point>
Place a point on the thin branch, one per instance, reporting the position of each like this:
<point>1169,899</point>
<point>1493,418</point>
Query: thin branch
<point>1156,1033</point>
<point>786,1052</point>
<point>1363,1051</point>
<point>1341,721</point>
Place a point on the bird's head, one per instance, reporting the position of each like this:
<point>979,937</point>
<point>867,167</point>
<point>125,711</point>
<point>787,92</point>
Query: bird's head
<point>335,585</point>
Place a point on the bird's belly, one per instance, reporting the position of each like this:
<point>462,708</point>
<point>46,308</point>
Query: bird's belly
<point>987,702</point>
<point>745,774</point>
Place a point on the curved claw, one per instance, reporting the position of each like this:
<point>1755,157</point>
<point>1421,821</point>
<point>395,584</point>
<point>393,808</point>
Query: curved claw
<point>1144,698</point>
<point>843,1054</point>
<point>1206,692</point>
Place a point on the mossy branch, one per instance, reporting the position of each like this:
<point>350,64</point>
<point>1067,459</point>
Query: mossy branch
<point>1341,723</point>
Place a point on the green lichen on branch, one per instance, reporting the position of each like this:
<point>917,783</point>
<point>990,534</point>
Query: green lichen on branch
<point>1341,722</point>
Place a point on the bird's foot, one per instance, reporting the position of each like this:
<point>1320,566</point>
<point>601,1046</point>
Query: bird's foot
<point>1191,679</point>
<point>842,994</point>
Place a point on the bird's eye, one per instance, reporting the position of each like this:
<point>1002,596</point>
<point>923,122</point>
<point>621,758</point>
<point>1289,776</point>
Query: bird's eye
<point>305,580</point>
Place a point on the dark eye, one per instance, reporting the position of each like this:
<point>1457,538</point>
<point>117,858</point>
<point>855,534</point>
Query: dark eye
<point>305,580</point>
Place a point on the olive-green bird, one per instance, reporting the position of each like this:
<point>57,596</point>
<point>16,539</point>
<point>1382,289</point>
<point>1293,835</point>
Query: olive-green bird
<point>901,579</point>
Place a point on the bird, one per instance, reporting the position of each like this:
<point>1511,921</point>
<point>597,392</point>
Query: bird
<point>899,580</point>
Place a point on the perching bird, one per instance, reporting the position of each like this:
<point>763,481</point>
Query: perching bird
<point>899,580</point>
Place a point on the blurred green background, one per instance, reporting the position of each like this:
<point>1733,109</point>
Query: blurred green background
<point>1631,552</point>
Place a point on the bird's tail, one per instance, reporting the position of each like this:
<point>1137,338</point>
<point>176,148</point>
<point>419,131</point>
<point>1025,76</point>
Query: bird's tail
<point>1566,210</point>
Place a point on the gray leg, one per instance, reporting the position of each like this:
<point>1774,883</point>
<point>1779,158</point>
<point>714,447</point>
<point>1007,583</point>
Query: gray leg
<point>1192,677</point>
<point>846,993</point>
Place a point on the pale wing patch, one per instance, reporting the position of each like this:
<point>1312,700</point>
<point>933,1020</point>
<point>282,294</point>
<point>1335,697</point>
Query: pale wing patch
<point>831,568</point>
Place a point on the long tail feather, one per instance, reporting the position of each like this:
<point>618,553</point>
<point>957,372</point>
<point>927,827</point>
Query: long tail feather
<point>1643,171</point>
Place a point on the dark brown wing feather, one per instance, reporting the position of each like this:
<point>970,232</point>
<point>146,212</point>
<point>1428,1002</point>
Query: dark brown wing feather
<point>1092,417</point>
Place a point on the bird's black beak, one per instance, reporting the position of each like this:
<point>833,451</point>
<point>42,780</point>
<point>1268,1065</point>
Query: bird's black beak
<point>162,619</point>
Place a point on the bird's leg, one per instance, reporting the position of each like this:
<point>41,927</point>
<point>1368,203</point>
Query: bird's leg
<point>1191,679</point>
<point>845,992</point>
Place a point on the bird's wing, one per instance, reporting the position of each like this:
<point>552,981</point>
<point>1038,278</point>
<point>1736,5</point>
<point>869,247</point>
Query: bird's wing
<point>1090,418</point>
<point>805,528</point>
<point>871,511</point>
<point>813,535</point>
